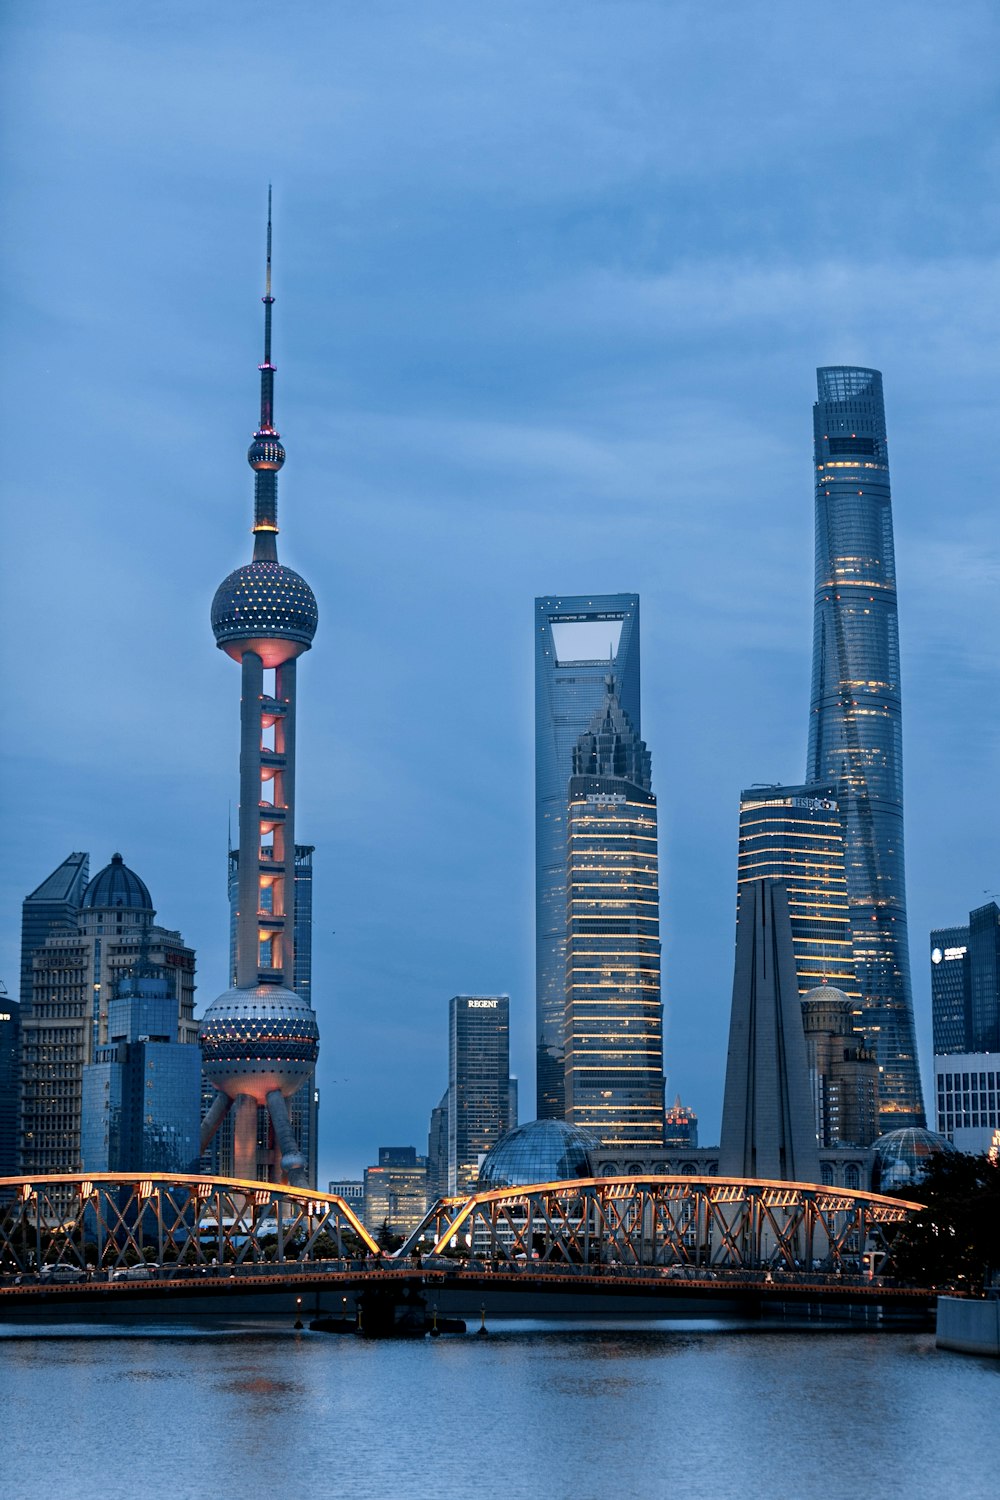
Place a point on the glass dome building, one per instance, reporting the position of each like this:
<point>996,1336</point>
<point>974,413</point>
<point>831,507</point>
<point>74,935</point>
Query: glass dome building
<point>900,1159</point>
<point>540,1151</point>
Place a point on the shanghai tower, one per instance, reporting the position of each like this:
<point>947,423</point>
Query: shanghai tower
<point>259,1039</point>
<point>855,723</point>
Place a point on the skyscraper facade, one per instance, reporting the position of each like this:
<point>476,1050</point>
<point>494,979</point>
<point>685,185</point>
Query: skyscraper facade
<point>479,1083</point>
<point>855,734</point>
<point>53,905</point>
<point>10,1027</point>
<point>843,1072</point>
<point>142,1091</point>
<point>75,978</point>
<point>965,984</point>
<point>260,1039</point>
<point>613,1026</point>
<point>796,834</point>
<point>578,639</point>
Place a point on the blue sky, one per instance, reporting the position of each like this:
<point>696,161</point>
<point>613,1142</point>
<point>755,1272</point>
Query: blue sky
<point>552,281</point>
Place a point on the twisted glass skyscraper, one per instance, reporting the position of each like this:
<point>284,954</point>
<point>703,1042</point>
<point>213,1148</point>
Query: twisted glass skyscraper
<point>855,725</point>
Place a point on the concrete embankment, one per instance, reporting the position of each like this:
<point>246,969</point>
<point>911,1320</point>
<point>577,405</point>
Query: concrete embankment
<point>970,1327</point>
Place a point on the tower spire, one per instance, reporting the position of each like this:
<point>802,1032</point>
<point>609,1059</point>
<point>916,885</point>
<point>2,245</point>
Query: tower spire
<point>266,454</point>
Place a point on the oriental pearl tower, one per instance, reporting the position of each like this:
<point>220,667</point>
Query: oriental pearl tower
<point>260,1040</point>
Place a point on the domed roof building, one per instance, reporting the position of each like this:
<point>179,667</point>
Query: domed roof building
<point>540,1151</point>
<point>117,886</point>
<point>901,1158</point>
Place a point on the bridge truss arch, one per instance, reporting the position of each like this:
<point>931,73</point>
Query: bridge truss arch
<point>109,1220</point>
<point>719,1223</point>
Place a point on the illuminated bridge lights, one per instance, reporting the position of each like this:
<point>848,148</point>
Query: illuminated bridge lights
<point>189,1220</point>
<point>662,1221</point>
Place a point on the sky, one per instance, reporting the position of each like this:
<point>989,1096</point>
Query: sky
<point>552,281</point>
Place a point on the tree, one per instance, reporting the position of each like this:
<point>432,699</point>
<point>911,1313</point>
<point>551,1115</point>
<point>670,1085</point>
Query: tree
<point>954,1241</point>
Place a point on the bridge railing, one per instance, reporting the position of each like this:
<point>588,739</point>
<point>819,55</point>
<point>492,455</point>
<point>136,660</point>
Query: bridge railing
<point>109,1221</point>
<point>714,1222</point>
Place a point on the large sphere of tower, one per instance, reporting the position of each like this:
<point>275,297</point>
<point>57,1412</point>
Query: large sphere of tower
<point>266,608</point>
<point>259,1038</point>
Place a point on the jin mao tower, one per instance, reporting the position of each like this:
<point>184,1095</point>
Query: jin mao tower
<point>260,1039</point>
<point>855,722</point>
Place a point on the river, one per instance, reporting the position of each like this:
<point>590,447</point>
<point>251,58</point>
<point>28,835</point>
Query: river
<point>532,1410</point>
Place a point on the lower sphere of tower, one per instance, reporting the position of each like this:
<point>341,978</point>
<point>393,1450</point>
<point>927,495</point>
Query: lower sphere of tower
<point>259,1038</point>
<point>264,607</point>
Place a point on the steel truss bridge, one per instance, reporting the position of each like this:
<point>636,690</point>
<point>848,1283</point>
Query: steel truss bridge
<point>110,1220</point>
<point>732,1224</point>
<point>639,1245</point>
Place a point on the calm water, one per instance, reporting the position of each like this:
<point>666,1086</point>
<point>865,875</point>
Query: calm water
<point>530,1411</point>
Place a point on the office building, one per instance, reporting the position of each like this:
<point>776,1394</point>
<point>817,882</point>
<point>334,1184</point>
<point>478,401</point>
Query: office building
<point>479,1083</point>
<point>75,976</point>
<point>260,1039</point>
<point>967,1090</point>
<point>855,722</point>
<point>141,1095</point>
<point>395,1191</point>
<point>796,834</point>
<point>437,1151</point>
<point>52,907</point>
<point>303,1106</point>
<point>578,640</point>
<point>613,1029</point>
<point>767,1116</point>
<point>843,1072</point>
<point>951,990</point>
<point>965,984</point>
<point>352,1190</point>
<point>10,1023</point>
<point>681,1126</point>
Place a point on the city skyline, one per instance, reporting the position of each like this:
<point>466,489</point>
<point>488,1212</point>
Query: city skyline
<point>508,376</point>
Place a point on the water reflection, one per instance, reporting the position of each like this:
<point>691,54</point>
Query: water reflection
<point>553,1412</point>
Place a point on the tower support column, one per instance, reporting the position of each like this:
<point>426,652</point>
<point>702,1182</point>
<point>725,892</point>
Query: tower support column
<point>247,942</point>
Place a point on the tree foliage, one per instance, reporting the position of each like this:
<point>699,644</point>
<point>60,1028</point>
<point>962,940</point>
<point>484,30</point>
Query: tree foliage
<point>954,1241</point>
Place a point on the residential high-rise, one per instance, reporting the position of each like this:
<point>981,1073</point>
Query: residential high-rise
<point>260,1039</point>
<point>75,977</point>
<point>577,640</point>
<point>142,1091</point>
<point>768,1128</point>
<point>796,834</point>
<point>855,736</point>
<point>303,1106</point>
<point>613,1026</point>
<point>965,984</point>
<point>53,905</point>
<point>479,1084</point>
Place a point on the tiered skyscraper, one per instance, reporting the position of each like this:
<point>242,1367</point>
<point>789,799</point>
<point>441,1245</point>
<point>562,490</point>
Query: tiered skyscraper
<point>260,1039</point>
<point>577,640</point>
<point>855,733</point>
<point>614,1014</point>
